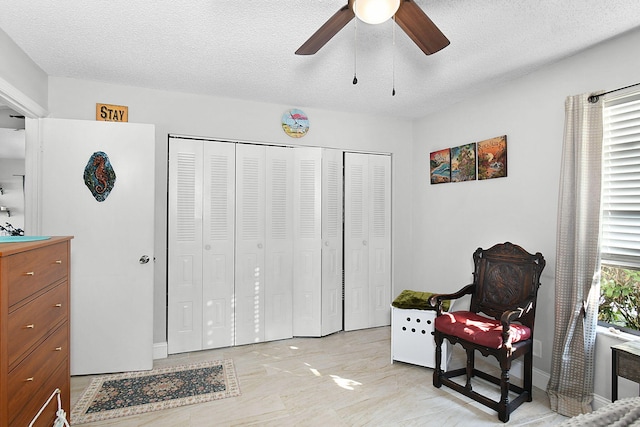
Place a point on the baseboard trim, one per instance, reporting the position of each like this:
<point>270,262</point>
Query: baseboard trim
<point>599,401</point>
<point>160,350</point>
<point>541,380</point>
<point>540,377</point>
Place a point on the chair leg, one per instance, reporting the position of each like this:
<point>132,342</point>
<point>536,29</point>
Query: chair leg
<point>528,375</point>
<point>471,363</point>
<point>503,404</point>
<point>437,372</point>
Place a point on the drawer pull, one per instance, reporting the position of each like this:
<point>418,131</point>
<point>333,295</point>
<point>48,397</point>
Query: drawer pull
<point>58,261</point>
<point>30,326</point>
<point>28,379</point>
<point>30,273</point>
<point>58,348</point>
<point>58,305</point>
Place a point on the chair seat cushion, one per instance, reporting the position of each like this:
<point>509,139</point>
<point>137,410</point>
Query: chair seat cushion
<point>478,329</point>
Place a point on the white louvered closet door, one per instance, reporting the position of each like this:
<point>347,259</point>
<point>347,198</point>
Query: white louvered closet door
<point>250,243</point>
<point>264,245</point>
<point>318,242</point>
<point>218,235</point>
<point>184,317</point>
<point>332,192</point>
<point>307,292</point>
<point>201,245</point>
<point>367,241</point>
<point>379,240</point>
<point>279,244</point>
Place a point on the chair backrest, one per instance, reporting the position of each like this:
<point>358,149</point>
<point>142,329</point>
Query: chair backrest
<point>506,277</point>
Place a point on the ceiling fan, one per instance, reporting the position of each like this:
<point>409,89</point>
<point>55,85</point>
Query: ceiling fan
<point>409,17</point>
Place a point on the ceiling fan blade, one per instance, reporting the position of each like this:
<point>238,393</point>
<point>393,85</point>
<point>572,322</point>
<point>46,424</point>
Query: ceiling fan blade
<point>420,28</point>
<point>327,31</point>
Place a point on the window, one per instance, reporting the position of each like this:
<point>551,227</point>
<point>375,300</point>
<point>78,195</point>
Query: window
<point>620,240</point>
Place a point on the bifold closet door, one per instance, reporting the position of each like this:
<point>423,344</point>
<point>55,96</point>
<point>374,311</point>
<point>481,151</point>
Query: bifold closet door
<point>200,245</point>
<point>264,243</point>
<point>307,291</point>
<point>367,240</point>
<point>332,199</point>
<point>318,242</point>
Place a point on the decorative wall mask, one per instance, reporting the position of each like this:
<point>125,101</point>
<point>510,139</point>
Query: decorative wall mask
<point>99,176</point>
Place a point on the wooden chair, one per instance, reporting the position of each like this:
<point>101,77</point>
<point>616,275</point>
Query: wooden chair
<point>505,284</point>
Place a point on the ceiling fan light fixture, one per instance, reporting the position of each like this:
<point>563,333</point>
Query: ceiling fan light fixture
<point>375,11</point>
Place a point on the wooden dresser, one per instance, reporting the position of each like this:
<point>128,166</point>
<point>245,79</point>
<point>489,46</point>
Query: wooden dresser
<point>34,330</point>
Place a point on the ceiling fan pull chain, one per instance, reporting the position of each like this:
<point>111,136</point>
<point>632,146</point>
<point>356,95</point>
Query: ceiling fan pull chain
<point>355,50</point>
<point>393,58</point>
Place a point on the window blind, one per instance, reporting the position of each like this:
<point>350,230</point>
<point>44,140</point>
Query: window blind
<point>620,243</point>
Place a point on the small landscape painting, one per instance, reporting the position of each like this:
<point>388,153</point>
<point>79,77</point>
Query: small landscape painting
<point>492,158</point>
<point>463,163</point>
<point>440,166</point>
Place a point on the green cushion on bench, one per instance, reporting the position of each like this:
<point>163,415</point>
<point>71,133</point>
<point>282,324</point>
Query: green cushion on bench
<point>416,300</point>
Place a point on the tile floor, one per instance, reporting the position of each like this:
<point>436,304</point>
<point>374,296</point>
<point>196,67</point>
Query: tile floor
<point>345,379</point>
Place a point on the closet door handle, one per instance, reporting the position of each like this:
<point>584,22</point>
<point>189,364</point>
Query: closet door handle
<point>259,245</point>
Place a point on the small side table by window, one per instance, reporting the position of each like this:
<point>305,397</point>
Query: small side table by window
<point>625,362</point>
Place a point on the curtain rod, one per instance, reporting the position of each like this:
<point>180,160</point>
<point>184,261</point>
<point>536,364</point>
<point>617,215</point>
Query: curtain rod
<point>594,98</point>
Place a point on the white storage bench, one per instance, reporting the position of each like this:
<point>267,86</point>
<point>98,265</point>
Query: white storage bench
<point>412,340</point>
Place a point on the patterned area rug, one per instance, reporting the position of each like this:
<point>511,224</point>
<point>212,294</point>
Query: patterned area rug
<point>131,393</point>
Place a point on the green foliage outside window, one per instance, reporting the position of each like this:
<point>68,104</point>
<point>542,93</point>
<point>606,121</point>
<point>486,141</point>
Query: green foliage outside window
<point>620,297</point>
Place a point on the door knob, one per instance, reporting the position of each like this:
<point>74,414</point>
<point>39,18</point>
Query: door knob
<point>144,259</point>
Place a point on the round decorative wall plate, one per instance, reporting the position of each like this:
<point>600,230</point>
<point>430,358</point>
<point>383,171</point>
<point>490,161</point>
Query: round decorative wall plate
<point>295,123</point>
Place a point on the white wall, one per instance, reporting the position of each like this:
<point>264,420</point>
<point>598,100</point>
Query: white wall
<point>22,82</point>
<point>188,114</point>
<point>452,220</point>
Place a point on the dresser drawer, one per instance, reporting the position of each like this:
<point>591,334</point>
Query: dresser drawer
<point>28,272</point>
<point>31,322</point>
<point>30,376</point>
<point>28,408</point>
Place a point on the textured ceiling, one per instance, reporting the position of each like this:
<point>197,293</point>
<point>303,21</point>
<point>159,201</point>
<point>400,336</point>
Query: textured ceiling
<point>245,49</point>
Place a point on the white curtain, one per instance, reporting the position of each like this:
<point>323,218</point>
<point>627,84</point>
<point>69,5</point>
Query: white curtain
<point>570,387</point>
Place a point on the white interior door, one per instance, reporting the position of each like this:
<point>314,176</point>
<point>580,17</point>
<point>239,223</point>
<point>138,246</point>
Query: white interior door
<point>380,240</point>
<point>201,245</point>
<point>356,241</point>
<point>184,312</point>
<point>218,245</point>
<point>111,287</point>
<point>279,244</point>
<point>332,196</point>
<point>307,291</point>
<point>367,240</point>
<point>250,244</point>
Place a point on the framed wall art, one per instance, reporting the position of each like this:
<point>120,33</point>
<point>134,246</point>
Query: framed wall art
<point>463,163</point>
<point>440,166</point>
<point>492,158</point>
